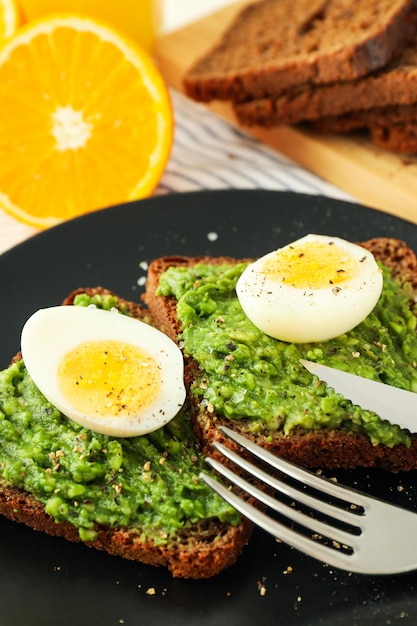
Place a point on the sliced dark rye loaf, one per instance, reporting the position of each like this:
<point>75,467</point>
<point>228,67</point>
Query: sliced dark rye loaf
<point>401,114</point>
<point>327,448</point>
<point>392,128</point>
<point>393,86</point>
<point>200,550</point>
<point>275,46</point>
<point>400,138</point>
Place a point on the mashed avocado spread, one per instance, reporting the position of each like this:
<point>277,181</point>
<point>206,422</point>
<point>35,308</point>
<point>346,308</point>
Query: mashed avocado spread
<point>149,482</point>
<point>248,375</point>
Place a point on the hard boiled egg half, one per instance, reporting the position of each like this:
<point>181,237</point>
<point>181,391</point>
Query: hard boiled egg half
<point>111,373</point>
<point>314,289</point>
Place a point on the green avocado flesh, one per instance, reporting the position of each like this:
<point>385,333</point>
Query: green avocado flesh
<point>149,482</point>
<point>248,375</point>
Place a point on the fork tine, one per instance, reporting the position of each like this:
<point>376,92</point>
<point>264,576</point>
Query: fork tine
<point>387,539</point>
<point>322,552</point>
<point>315,526</point>
<point>301,475</point>
<point>343,515</point>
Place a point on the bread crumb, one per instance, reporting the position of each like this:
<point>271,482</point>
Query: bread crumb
<point>212,236</point>
<point>262,587</point>
<point>289,570</point>
<point>151,591</point>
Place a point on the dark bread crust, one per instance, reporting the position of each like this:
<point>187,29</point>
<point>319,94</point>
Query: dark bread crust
<point>199,551</point>
<point>274,47</point>
<point>365,118</point>
<point>164,310</point>
<point>327,448</point>
<point>401,138</point>
<point>135,309</point>
<point>391,128</point>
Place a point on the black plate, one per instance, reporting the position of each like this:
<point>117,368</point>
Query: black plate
<point>47,581</point>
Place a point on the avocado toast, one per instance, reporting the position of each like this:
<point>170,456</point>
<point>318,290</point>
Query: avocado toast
<point>139,497</point>
<point>314,426</point>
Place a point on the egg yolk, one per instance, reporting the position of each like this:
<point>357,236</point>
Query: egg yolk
<point>109,378</point>
<point>312,265</point>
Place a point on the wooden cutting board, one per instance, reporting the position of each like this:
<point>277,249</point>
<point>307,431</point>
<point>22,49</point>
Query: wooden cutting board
<point>378,179</point>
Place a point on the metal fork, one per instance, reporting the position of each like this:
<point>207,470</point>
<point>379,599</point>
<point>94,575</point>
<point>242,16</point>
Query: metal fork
<point>337,525</point>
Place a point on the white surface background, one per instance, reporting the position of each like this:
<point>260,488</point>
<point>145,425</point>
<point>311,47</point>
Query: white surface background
<point>176,13</point>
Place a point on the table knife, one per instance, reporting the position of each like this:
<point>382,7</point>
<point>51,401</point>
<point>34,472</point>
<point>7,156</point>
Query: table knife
<point>398,406</point>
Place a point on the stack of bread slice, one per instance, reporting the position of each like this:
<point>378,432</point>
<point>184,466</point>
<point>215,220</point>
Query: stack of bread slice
<point>336,64</point>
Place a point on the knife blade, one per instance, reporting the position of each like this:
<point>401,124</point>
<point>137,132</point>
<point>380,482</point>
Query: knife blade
<point>398,406</point>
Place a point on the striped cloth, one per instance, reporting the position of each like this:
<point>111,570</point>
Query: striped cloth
<point>209,153</point>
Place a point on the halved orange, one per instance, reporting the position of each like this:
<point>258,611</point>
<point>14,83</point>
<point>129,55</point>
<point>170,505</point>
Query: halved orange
<point>9,18</point>
<point>85,120</point>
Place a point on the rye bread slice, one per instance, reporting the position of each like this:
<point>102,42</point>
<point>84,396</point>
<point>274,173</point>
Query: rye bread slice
<point>401,138</point>
<point>275,46</point>
<point>393,86</point>
<point>328,448</point>
<point>391,128</point>
<point>200,550</point>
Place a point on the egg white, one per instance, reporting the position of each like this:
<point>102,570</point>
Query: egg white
<point>49,334</point>
<point>307,314</point>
